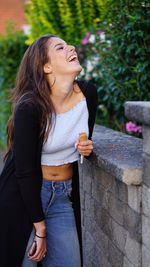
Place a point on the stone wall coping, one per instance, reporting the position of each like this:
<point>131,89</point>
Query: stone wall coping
<point>118,154</point>
<point>138,111</point>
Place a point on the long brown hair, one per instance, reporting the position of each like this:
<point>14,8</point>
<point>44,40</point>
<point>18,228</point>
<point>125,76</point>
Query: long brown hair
<point>31,82</point>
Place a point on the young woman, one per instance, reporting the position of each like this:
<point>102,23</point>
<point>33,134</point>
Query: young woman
<point>39,183</point>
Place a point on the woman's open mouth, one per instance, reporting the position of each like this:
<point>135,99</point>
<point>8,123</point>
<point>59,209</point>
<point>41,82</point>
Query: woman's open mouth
<point>73,58</point>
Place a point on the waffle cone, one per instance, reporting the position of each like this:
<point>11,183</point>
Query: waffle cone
<point>82,136</point>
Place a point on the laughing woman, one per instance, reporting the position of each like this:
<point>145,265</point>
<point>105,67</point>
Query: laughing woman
<point>39,184</point>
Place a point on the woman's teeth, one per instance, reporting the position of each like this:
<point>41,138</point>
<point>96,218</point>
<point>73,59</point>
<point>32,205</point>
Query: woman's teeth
<point>72,57</point>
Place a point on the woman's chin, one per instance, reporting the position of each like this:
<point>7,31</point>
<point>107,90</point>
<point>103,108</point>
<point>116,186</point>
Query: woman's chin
<point>76,68</point>
<point>72,69</point>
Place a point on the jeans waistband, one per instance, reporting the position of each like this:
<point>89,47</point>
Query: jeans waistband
<point>52,184</point>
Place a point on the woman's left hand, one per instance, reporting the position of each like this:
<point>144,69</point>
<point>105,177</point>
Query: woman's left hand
<point>85,147</point>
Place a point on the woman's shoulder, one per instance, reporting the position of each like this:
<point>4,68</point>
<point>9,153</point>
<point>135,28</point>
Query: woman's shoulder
<point>85,84</point>
<point>27,105</point>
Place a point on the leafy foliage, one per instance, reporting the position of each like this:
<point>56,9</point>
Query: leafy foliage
<point>12,48</point>
<point>120,59</point>
<point>68,19</point>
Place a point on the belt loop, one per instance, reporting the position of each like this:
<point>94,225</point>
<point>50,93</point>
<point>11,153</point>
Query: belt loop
<point>53,187</point>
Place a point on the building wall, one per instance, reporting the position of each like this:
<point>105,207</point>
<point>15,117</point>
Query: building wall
<point>12,10</point>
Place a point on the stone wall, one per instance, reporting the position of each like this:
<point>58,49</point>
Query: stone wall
<point>110,185</point>
<point>140,112</point>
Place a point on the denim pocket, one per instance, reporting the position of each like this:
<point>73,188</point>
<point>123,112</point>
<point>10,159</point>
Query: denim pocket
<point>68,189</point>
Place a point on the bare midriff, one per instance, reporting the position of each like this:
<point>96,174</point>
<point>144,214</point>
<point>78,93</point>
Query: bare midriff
<point>57,173</point>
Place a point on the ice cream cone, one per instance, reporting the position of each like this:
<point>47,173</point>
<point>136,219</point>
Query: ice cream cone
<point>82,137</point>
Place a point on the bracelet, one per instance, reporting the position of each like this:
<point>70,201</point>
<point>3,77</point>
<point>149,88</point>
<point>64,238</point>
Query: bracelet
<point>40,236</point>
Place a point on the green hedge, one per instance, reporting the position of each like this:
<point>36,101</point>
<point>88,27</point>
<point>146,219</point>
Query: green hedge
<point>121,60</point>
<point>12,48</point>
<point>69,19</point>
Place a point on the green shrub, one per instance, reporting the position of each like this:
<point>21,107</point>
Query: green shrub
<point>120,60</point>
<point>12,48</point>
<point>68,19</point>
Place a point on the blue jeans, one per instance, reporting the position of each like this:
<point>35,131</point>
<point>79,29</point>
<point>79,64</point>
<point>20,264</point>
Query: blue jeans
<point>62,240</point>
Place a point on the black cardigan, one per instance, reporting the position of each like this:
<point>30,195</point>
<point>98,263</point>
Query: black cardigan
<point>21,179</point>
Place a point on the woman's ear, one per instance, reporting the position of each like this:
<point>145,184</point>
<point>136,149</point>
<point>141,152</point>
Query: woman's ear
<point>47,68</point>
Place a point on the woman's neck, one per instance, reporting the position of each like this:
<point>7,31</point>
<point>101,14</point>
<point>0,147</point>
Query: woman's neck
<point>62,91</point>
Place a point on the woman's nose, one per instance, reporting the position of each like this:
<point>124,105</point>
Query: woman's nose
<point>70,48</point>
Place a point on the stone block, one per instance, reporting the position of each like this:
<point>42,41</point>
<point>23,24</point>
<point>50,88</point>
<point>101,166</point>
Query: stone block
<point>134,197</point>
<point>82,217</point>
<point>116,208</point>
<point>146,231</point>
<point>146,170</point>
<point>99,193</point>
<point>119,155</point>
<point>119,235</point>
<point>145,257</point>
<point>86,176</point>
<point>103,178</point>
<point>115,255</point>
<point>98,235</point>
<point>134,110</point>
<point>146,139</point>
<point>99,258</point>
<point>103,219</point>
<point>138,111</point>
<point>89,242</point>
<point>120,190</point>
<point>104,263</point>
<point>82,198</point>
<point>146,200</point>
<point>89,248</point>
<point>132,223</point>
<point>133,251</point>
<point>132,176</point>
<point>127,263</point>
<point>89,205</point>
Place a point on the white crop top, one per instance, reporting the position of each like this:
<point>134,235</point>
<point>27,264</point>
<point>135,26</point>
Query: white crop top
<point>60,146</point>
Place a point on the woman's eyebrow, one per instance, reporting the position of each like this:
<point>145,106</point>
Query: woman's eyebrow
<point>60,44</point>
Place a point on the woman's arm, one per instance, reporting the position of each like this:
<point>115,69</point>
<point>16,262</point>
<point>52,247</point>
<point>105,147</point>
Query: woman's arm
<point>26,130</point>
<point>92,96</point>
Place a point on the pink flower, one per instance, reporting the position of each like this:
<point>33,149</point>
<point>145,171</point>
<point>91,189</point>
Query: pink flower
<point>131,127</point>
<point>86,38</point>
<point>99,32</point>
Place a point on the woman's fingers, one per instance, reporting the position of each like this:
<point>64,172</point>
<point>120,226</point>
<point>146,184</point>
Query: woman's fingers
<point>85,147</point>
<point>40,251</point>
<point>38,256</point>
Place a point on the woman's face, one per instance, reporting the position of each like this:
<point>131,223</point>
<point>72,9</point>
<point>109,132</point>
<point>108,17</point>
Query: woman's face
<point>62,58</point>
